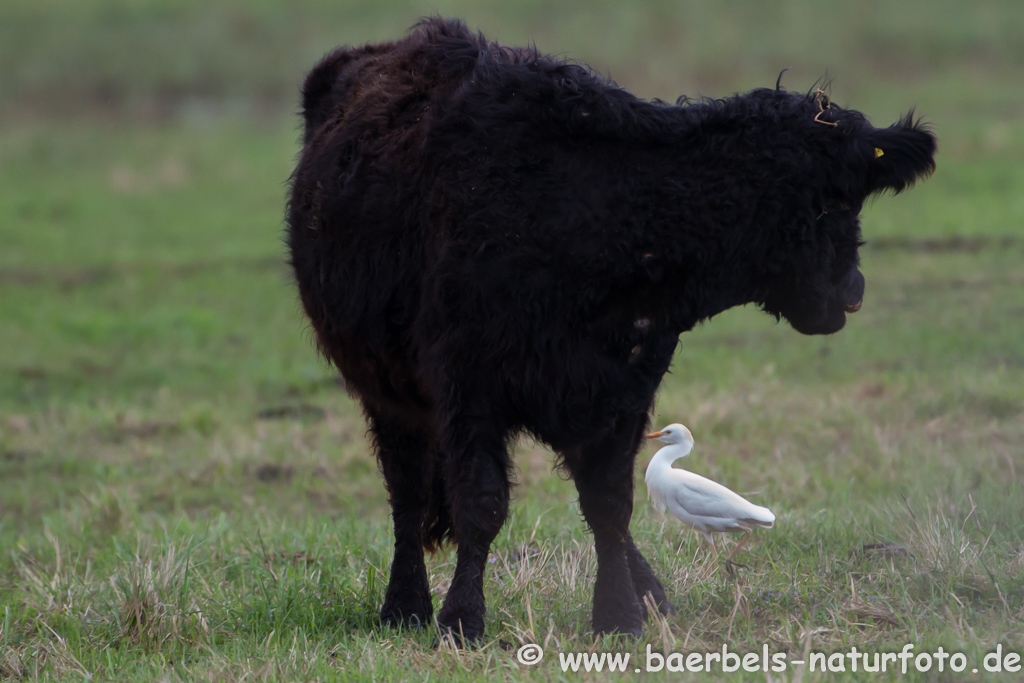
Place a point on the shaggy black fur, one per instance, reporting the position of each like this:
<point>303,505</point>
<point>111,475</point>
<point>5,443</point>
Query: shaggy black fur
<point>489,241</point>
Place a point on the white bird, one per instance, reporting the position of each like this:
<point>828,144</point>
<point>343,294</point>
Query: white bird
<point>697,501</point>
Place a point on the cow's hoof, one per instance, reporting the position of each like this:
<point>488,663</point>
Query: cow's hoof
<point>634,632</point>
<point>463,632</point>
<point>460,640</point>
<point>392,616</point>
<point>630,624</point>
<point>664,607</point>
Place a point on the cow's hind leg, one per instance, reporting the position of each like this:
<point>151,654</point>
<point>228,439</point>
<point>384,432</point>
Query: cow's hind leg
<point>406,460</point>
<point>603,472</point>
<point>478,495</point>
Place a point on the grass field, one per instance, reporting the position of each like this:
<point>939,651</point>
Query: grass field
<point>186,492</point>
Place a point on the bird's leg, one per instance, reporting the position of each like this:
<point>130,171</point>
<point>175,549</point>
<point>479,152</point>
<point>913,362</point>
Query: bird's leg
<point>709,567</point>
<point>729,564</point>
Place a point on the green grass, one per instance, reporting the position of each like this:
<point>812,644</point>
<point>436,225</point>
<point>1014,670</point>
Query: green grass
<point>187,493</point>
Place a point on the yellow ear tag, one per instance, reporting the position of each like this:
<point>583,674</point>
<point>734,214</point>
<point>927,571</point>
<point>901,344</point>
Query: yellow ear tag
<point>878,152</point>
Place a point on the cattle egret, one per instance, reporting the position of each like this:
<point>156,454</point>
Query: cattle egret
<point>697,501</point>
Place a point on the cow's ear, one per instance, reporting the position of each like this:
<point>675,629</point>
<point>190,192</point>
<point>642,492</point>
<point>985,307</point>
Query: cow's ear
<point>903,152</point>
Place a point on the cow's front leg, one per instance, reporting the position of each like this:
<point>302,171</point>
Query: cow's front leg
<point>645,581</point>
<point>603,472</point>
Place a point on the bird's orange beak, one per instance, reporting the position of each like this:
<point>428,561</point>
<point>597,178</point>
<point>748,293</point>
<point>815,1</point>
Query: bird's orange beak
<point>655,435</point>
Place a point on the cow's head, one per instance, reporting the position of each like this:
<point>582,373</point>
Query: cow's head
<point>830,161</point>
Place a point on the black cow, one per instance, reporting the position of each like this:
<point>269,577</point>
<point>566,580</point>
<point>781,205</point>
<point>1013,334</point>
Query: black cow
<point>489,241</point>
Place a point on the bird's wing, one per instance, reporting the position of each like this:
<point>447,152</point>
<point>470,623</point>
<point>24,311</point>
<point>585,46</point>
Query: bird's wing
<point>656,497</point>
<point>700,497</point>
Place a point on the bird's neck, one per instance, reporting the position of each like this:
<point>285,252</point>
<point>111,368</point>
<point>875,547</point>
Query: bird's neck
<point>664,458</point>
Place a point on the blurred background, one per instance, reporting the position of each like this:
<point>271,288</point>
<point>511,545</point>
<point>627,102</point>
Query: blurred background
<point>156,371</point>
